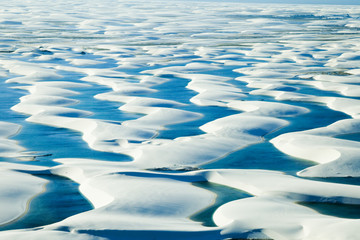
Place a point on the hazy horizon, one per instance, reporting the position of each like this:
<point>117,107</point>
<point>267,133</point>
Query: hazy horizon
<point>331,2</point>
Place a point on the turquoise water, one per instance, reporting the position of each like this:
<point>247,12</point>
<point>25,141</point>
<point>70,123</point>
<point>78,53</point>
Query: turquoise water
<point>60,199</point>
<point>52,143</point>
<point>350,211</point>
<point>224,195</point>
<point>265,156</point>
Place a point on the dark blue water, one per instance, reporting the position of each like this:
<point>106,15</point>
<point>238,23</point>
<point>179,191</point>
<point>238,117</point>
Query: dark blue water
<point>62,199</point>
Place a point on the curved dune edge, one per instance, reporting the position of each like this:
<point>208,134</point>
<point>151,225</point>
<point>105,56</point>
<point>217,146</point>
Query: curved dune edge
<point>336,157</point>
<point>138,195</point>
<point>8,147</point>
<point>16,194</point>
<point>281,60</point>
<point>134,137</point>
<point>282,220</point>
<point>16,188</point>
<point>140,203</point>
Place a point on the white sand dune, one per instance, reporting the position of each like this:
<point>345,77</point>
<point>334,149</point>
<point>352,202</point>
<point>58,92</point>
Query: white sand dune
<point>8,147</point>
<point>275,193</point>
<point>16,194</point>
<point>129,105</point>
<point>336,157</point>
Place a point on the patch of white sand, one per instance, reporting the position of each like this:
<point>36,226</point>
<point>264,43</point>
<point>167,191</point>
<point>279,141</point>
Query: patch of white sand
<point>8,147</point>
<point>16,191</point>
<point>336,157</point>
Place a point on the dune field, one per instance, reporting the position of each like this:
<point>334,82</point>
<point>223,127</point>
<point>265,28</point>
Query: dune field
<point>179,120</point>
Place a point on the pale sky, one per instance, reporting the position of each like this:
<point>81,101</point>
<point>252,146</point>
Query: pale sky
<point>339,2</point>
